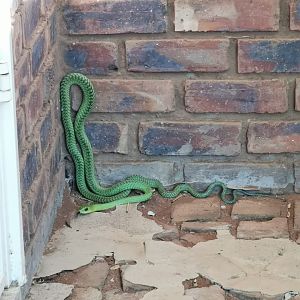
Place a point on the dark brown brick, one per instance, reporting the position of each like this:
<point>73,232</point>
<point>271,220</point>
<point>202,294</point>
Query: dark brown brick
<point>17,38</point>
<point>241,96</point>
<point>227,15</point>
<point>182,138</point>
<point>23,77</point>
<point>30,18</point>
<point>295,14</point>
<point>39,52</point>
<point>274,137</point>
<point>119,16</point>
<point>297,95</point>
<point>108,136</point>
<point>95,58</point>
<point>33,106</point>
<point>275,56</point>
<point>178,55</point>
<point>131,96</point>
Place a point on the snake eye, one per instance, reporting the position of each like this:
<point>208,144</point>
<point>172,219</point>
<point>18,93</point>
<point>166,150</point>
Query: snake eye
<point>86,209</point>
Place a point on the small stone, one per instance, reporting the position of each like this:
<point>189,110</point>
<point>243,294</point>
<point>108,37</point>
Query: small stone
<point>205,227</point>
<point>191,209</point>
<point>251,230</point>
<point>213,292</point>
<point>151,213</point>
<point>167,235</point>
<point>256,209</point>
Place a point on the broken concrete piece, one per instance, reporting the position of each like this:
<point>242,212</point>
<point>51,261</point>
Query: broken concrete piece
<point>213,292</point>
<point>190,209</point>
<point>86,293</point>
<point>251,230</point>
<point>115,295</point>
<point>50,291</point>
<point>268,265</point>
<point>257,209</point>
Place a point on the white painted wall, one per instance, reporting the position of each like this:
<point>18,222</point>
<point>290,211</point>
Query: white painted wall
<point>12,262</point>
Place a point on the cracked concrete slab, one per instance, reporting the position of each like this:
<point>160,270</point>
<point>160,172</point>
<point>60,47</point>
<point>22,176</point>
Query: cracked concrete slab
<point>269,266</point>
<point>50,291</point>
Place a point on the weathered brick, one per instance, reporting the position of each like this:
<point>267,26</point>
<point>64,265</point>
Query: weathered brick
<point>50,79</point>
<point>33,106</point>
<point>183,138</point>
<point>95,58</point>
<point>297,176</point>
<point>23,77</point>
<point>111,172</point>
<point>46,131</point>
<point>130,96</point>
<point>53,28</point>
<point>20,127</point>
<point>29,168</point>
<point>227,15</point>
<point>205,226</point>
<point>239,175</point>
<point>241,96</point>
<point>297,215</point>
<point>119,16</point>
<point>108,136</point>
<point>257,209</point>
<point>39,51</point>
<point>17,37</point>
<point>178,55</point>
<point>190,209</point>
<point>297,95</point>
<point>273,137</point>
<point>25,221</point>
<point>251,230</point>
<point>295,14</point>
<point>30,18</point>
<point>275,56</point>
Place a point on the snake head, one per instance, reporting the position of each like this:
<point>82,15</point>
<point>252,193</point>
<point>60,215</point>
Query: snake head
<point>84,210</point>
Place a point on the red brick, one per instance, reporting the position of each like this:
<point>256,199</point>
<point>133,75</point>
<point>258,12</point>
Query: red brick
<point>241,96</point>
<point>17,38</point>
<point>297,215</point>
<point>227,15</point>
<point>119,16</point>
<point>297,95</point>
<point>30,19</point>
<point>108,136</point>
<point>205,226</point>
<point>178,55</point>
<point>33,106</point>
<point>23,77</point>
<point>251,230</point>
<point>257,209</point>
<point>274,56</point>
<point>191,209</point>
<point>183,138</point>
<point>274,137</point>
<point>295,14</point>
<point>130,96</point>
<point>95,58</point>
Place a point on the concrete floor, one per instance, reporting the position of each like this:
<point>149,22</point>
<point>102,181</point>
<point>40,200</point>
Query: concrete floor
<point>75,265</point>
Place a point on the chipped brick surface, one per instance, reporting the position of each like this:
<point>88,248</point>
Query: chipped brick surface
<point>295,15</point>
<point>227,15</point>
<point>274,137</point>
<point>275,56</point>
<point>177,55</point>
<point>131,96</point>
<point>240,96</point>
<point>252,230</point>
<point>91,57</point>
<point>170,138</point>
<point>112,17</point>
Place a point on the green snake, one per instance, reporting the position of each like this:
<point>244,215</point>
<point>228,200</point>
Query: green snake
<point>81,152</point>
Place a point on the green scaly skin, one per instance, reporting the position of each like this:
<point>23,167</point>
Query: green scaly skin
<point>80,149</point>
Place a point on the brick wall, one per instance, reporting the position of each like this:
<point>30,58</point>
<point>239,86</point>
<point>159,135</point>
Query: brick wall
<point>190,90</point>
<point>39,130</point>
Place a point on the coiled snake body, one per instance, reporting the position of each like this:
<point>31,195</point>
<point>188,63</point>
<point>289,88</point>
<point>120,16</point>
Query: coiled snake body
<point>81,152</point>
